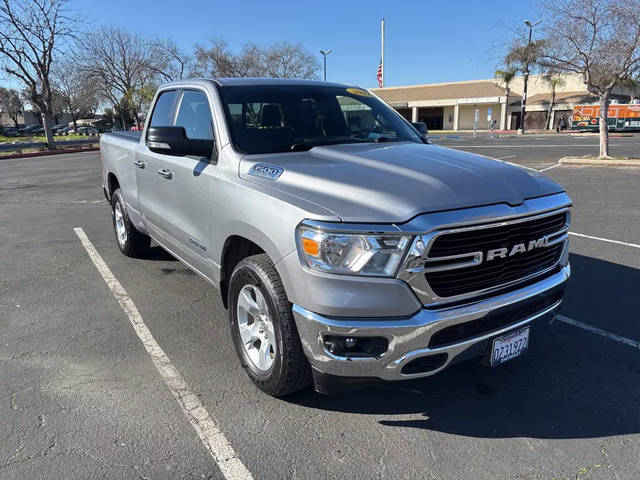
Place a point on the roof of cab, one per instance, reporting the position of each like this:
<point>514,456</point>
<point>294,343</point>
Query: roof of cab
<point>224,82</point>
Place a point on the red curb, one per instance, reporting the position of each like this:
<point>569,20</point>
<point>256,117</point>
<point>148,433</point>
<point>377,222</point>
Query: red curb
<point>49,152</point>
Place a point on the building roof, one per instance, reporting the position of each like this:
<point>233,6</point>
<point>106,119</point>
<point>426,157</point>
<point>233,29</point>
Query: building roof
<point>574,98</point>
<point>442,91</point>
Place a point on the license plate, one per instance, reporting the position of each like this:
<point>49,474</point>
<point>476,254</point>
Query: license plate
<point>509,346</point>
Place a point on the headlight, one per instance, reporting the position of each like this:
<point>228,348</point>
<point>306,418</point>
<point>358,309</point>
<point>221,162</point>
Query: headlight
<point>352,253</point>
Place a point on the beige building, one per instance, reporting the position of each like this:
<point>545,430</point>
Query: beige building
<point>452,106</point>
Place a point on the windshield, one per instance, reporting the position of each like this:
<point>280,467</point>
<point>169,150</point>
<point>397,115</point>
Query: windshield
<point>285,118</point>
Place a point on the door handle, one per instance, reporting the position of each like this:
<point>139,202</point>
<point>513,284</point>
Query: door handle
<point>165,173</point>
<point>139,163</point>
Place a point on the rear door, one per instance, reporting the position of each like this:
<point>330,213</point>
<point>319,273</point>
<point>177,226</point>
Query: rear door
<point>181,196</point>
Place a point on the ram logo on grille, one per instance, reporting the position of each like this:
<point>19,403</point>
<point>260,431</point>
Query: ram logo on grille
<point>517,248</point>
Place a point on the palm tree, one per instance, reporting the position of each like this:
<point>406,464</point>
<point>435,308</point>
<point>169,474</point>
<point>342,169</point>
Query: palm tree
<point>555,82</point>
<point>507,77</point>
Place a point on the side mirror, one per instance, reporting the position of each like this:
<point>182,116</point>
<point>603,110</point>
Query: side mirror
<point>174,141</point>
<point>421,127</point>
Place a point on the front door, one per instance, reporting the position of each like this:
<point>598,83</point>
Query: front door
<point>180,202</point>
<point>147,164</point>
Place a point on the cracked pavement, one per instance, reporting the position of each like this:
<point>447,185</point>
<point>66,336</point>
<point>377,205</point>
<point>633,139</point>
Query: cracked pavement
<point>80,398</point>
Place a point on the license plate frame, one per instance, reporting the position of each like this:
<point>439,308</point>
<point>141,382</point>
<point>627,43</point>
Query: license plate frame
<point>509,346</point>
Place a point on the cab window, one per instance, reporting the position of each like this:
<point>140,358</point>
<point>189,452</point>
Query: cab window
<point>194,115</point>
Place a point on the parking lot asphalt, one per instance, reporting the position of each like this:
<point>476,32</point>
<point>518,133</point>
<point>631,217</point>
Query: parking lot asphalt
<point>538,151</point>
<point>81,398</point>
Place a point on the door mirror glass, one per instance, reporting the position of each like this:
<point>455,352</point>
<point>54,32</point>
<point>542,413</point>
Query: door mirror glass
<point>174,141</point>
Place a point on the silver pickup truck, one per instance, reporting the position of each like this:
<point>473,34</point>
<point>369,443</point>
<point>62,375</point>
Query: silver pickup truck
<point>345,245</point>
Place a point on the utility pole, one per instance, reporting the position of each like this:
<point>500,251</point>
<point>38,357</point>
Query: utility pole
<point>324,54</point>
<point>382,52</point>
<point>523,103</point>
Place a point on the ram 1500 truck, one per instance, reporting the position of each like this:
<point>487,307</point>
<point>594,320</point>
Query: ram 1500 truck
<point>344,244</point>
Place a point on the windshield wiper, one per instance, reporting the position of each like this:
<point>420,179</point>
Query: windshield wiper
<point>301,147</point>
<point>383,139</point>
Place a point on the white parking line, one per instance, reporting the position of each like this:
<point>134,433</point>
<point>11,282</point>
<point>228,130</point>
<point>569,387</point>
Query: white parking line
<point>508,156</point>
<point>598,331</point>
<point>214,440</point>
<point>549,168</point>
<point>633,245</point>
<point>516,164</point>
<point>521,146</point>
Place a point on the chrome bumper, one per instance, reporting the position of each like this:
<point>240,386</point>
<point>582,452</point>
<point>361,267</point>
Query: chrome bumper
<point>408,337</point>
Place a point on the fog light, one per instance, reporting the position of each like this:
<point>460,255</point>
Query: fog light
<point>355,347</point>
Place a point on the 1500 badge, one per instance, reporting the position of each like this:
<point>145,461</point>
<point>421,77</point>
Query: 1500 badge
<point>264,170</point>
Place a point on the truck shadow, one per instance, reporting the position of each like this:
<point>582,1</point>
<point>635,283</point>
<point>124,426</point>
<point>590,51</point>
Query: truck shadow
<point>160,254</point>
<point>571,383</point>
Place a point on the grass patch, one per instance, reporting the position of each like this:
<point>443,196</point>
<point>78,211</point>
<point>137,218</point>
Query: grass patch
<point>42,138</point>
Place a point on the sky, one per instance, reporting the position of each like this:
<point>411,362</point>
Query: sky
<point>426,41</point>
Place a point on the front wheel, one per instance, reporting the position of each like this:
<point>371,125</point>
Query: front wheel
<point>263,329</point>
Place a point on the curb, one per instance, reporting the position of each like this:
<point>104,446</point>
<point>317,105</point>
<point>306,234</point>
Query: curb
<point>48,152</point>
<point>600,162</point>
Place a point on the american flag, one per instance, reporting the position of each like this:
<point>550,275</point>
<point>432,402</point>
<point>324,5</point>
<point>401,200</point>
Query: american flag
<point>380,74</point>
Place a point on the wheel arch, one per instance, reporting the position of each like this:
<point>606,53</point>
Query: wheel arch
<point>235,249</point>
<point>112,184</point>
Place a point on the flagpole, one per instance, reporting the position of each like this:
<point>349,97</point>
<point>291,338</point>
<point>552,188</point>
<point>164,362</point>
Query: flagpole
<point>382,52</point>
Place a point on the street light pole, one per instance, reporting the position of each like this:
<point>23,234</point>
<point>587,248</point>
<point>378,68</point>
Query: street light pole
<point>523,103</point>
<point>324,54</point>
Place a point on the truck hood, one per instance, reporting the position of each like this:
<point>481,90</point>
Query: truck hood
<point>393,182</point>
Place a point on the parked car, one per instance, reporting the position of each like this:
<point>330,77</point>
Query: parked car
<point>10,132</point>
<point>87,130</point>
<point>28,130</point>
<point>343,249</point>
<point>63,131</point>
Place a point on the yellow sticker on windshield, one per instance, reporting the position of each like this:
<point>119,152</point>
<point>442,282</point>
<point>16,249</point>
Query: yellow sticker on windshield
<point>359,92</point>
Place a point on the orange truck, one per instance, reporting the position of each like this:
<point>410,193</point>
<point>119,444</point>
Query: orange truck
<point>619,117</point>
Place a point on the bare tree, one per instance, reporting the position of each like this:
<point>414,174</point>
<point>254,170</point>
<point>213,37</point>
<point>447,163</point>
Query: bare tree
<point>78,91</point>
<point>633,86</point>
<point>283,60</point>
<point>11,103</point>
<point>170,62</point>
<point>291,60</point>
<point>599,39</point>
<point>554,82</point>
<point>506,75</point>
<point>120,62</point>
<point>31,34</point>
<point>218,60</point>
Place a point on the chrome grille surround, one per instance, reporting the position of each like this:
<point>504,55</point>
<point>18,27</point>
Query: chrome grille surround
<point>418,263</point>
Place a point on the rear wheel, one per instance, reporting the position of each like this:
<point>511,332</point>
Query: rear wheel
<point>263,329</point>
<point>130,241</point>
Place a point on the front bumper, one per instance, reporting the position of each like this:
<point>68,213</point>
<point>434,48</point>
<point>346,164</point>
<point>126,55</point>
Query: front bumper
<point>409,338</point>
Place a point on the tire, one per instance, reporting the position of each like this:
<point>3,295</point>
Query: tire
<point>130,241</point>
<point>287,369</point>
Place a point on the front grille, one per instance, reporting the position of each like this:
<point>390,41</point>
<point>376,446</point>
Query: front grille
<point>499,271</point>
<point>495,320</point>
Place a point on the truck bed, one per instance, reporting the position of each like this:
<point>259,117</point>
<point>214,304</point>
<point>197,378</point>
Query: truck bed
<point>126,135</point>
